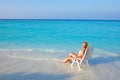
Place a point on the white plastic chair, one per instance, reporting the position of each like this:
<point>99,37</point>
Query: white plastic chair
<point>84,59</point>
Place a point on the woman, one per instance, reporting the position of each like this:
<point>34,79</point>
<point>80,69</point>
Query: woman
<point>79,55</point>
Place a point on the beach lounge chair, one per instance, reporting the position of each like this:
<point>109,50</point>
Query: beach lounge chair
<point>85,58</point>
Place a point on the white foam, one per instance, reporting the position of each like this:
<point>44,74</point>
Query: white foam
<point>32,57</point>
<point>33,54</point>
<point>33,50</point>
<point>100,52</point>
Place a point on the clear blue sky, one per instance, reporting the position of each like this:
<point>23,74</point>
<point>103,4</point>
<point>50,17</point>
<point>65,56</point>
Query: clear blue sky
<point>60,9</point>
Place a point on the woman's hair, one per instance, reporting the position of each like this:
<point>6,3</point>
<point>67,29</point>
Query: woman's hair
<point>86,43</point>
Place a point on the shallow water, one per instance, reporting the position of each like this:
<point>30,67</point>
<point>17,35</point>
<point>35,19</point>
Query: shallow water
<point>32,65</point>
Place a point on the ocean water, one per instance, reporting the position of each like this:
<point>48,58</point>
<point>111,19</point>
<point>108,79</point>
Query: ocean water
<point>61,36</point>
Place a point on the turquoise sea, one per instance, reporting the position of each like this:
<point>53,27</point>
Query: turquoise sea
<point>59,35</point>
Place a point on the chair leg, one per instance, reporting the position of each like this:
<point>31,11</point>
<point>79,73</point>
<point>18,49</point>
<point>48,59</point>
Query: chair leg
<point>87,63</point>
<point>78,65</point>
<point>72,62</point>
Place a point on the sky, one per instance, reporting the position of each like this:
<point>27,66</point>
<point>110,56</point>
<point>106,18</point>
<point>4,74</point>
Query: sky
<point>60,9</point>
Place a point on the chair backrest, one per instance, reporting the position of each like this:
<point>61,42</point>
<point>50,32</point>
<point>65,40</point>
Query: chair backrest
<point>84,54</point>
<point>88,53</point>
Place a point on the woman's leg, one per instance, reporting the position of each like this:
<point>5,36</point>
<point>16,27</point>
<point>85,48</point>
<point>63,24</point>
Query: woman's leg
<point>73,55</point>
<point>70,57</point>
<point>67,59</point>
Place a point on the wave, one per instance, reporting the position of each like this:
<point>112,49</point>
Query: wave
<point>34,54</point>
<point>32,57</point>
<point>34,50</point>
<point>100,52</point>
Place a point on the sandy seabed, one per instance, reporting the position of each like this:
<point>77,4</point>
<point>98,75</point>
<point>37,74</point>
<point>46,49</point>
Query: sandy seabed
<point>26,65</point>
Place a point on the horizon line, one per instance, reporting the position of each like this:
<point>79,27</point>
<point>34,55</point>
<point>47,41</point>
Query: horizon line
<point>56,19</point>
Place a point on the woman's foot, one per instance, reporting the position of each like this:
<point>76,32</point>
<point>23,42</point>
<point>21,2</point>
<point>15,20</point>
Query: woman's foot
<point>65,61</point>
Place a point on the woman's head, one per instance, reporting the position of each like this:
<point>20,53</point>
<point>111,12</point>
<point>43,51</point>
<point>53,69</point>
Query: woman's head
<point>85,44</point>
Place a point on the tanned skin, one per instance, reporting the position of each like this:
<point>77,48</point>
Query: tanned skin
<point>72,55</point>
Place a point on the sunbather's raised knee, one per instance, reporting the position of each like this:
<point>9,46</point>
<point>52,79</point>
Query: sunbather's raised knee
<point>71,53</point>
